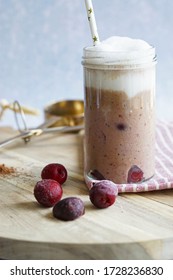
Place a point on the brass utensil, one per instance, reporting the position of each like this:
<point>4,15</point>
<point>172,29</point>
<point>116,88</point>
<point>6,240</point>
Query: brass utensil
<point>67,112</point>
<point>62,116</point>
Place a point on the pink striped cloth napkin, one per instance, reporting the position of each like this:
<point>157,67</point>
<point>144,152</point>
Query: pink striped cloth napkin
<point>163,178</point>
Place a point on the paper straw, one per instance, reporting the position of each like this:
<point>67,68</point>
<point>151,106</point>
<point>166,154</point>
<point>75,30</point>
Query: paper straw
<point>92,22</point>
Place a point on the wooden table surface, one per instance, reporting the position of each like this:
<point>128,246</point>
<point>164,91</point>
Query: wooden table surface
<point>137,226</point>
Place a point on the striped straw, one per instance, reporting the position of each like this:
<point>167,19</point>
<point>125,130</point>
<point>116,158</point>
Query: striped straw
<point>92,22</point>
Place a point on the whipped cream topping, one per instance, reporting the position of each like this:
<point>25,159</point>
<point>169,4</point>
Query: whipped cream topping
<point>117,43</point>
<point>120,53</point>
<point>119,50</point>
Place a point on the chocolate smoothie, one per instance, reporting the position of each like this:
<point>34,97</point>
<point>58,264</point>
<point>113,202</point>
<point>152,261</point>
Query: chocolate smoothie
<point>120,121</point>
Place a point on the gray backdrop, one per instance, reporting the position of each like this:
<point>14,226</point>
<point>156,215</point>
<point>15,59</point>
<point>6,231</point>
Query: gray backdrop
<point>41,44</point>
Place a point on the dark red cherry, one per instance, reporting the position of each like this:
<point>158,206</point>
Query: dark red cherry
<point>135,174</point>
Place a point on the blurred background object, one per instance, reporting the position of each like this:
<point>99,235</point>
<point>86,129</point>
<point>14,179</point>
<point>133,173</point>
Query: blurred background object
<point>41,45</point>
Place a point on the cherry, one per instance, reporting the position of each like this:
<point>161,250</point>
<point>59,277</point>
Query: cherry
<point>55,171</point>
<point>121,126</point>
<point>103,193</point>
<point>135,174</point>
<point>69,209</point>
<point>47,192</point>
<point>97,175</point>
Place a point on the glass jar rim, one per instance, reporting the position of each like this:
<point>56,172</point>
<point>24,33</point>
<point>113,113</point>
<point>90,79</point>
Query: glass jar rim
<point>118,59</point>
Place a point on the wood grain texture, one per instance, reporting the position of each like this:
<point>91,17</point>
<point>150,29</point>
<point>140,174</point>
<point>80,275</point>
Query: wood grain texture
<point>137,226</point>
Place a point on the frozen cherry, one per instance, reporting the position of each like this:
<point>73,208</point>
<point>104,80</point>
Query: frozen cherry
<point>135,174</point>
<point>55,171</point>
<point>103,193</point>
<point>121,126</point>
<point>69,209</point>
<point>47,192</point>
<point>97,175</point>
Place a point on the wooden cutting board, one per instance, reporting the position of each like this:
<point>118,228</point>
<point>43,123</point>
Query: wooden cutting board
<point>137,226</point>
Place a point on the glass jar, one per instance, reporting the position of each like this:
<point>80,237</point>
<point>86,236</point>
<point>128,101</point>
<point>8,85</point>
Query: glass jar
<point>119,108</point>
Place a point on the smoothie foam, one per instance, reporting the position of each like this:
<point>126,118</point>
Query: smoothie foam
<point>122,49</point>
<point>125,52</point>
